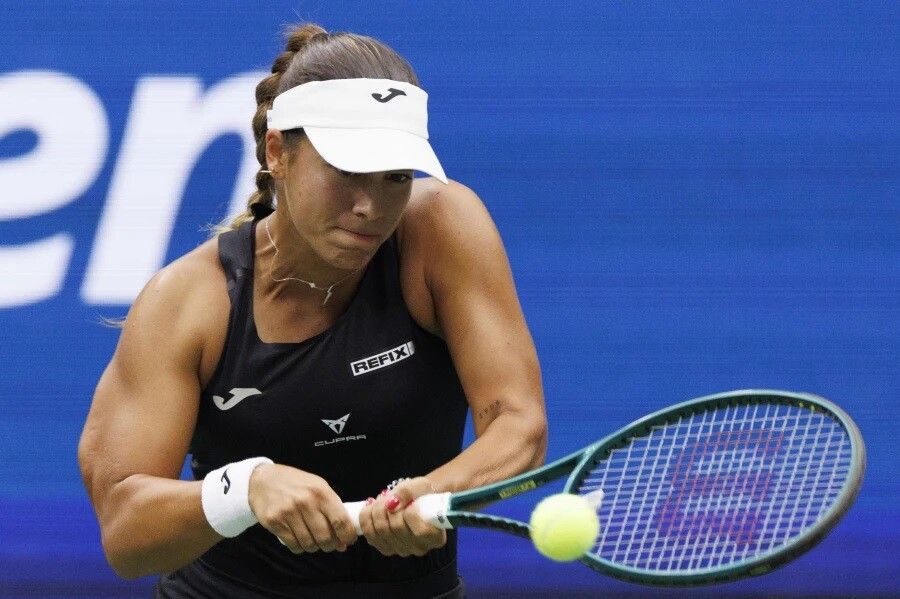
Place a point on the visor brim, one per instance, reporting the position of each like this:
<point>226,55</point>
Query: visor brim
<point>375,150</point>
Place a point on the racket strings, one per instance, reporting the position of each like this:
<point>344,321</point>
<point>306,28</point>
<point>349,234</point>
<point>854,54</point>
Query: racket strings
<point>718,487</point>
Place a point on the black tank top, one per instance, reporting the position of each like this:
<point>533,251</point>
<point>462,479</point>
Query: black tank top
<point>373,398</point>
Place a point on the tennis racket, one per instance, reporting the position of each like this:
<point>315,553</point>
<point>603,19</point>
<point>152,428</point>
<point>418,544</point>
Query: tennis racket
<point>710,490</point>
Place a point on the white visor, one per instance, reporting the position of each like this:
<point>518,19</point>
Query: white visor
<point>361,125</point>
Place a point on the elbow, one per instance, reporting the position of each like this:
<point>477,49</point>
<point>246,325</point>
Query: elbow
<point>120,558</point>
<point>124,570</point>
<point>119,547</point>
<point>536,438</point>
<point>128,554</point>
<point>530,433</point>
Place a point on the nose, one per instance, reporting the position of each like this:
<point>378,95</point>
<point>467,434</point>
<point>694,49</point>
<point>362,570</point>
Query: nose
<point>364,205</point>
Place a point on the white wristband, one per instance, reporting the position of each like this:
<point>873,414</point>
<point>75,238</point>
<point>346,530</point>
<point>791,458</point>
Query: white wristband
<point>225,497</point>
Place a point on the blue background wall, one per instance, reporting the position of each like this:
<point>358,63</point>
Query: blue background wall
<point>695,197</point>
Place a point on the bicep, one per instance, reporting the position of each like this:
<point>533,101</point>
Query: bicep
<point>145,405</point>
<point>478,310</point>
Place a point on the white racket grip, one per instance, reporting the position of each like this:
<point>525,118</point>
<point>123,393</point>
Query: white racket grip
<point>353,509</point>
<point>432,507</point>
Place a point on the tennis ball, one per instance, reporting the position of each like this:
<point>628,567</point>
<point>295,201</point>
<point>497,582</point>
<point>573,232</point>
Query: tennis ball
<point>564,527</point>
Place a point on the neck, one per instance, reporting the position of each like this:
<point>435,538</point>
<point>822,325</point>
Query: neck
<point>295,268</point>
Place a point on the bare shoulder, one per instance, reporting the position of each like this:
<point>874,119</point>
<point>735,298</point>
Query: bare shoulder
<point>186,302</point>
<point>184,285</point>
<point>435,205</point>
<point>439,220</point>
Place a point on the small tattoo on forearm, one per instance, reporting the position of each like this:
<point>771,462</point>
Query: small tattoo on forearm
<point>491,411</point>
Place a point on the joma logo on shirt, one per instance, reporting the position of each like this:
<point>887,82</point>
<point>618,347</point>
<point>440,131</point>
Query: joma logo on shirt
<point>388,358</point>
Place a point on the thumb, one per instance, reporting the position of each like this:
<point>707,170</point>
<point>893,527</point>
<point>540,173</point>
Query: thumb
<point>402,495</point>
<point>407,492</point>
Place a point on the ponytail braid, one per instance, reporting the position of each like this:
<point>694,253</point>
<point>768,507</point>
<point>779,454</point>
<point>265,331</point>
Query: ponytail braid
<point>261,202</point>
<point>312,54</point>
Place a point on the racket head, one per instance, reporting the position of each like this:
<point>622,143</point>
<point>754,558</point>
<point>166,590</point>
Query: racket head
<point>681,509</point>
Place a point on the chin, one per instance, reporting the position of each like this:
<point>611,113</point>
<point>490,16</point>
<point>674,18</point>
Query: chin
<point>348,253</point>
<point>349,258</point>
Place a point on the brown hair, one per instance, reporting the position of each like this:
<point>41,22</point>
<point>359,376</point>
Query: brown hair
<point>313,54</point>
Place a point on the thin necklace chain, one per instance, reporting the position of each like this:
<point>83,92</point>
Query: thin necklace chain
<point>328,290</point>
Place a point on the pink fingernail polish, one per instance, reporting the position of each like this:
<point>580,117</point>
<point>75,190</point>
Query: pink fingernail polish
<point>393,502</point>
<point>370,501</point>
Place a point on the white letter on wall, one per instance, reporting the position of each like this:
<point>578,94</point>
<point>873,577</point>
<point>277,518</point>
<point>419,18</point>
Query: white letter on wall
<point>170,125</point>
<point>73,135</point>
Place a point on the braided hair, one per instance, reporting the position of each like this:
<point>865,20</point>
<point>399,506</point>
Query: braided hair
<point>313,54</point>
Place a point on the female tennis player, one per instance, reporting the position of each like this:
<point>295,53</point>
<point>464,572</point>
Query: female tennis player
<point>325,348</point>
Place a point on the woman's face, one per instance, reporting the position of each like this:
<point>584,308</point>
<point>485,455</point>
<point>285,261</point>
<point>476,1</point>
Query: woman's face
<point>343,217</point>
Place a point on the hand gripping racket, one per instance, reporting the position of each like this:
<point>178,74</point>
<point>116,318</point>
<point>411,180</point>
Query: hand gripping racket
<point>710,490</point>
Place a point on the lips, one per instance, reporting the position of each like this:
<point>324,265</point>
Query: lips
<point>360,235</point>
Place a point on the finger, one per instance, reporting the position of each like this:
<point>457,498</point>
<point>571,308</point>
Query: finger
<point>397,501</point>
<point>287,539</point>
<point>425,535</point>
<point>320,530</point>
<point>407,491</point>
<point>342,529</point>
<point>404,540</point>
<point>382,536</point>
<point>367,524</point>
<point>286,536</point>
<point>302,533</point>
<point>280,526</point>
<point>417,525</point>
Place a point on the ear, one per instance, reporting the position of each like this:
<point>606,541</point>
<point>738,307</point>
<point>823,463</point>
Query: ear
<point>276,156</point>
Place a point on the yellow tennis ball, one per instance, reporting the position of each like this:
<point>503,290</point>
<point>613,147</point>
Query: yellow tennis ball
<point>564,527</point>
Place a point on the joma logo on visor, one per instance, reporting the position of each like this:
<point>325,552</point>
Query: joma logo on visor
<point>394,93</point>
<point>387,358</point>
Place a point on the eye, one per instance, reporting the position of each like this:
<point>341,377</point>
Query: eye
<point>400,177</point>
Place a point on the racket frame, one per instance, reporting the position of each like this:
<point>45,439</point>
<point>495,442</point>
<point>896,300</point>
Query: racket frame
<point>579,463</point>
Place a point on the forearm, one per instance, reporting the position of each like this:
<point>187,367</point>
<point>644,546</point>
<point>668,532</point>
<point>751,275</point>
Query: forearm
<point>511,444</point>
<point>152,525</point>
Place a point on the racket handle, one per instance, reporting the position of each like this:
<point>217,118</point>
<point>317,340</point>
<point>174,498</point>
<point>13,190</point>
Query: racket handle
<point>433,508</point>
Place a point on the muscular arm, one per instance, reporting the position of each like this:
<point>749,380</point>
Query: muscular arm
<point>137,435</point>
<point>478,314</point>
